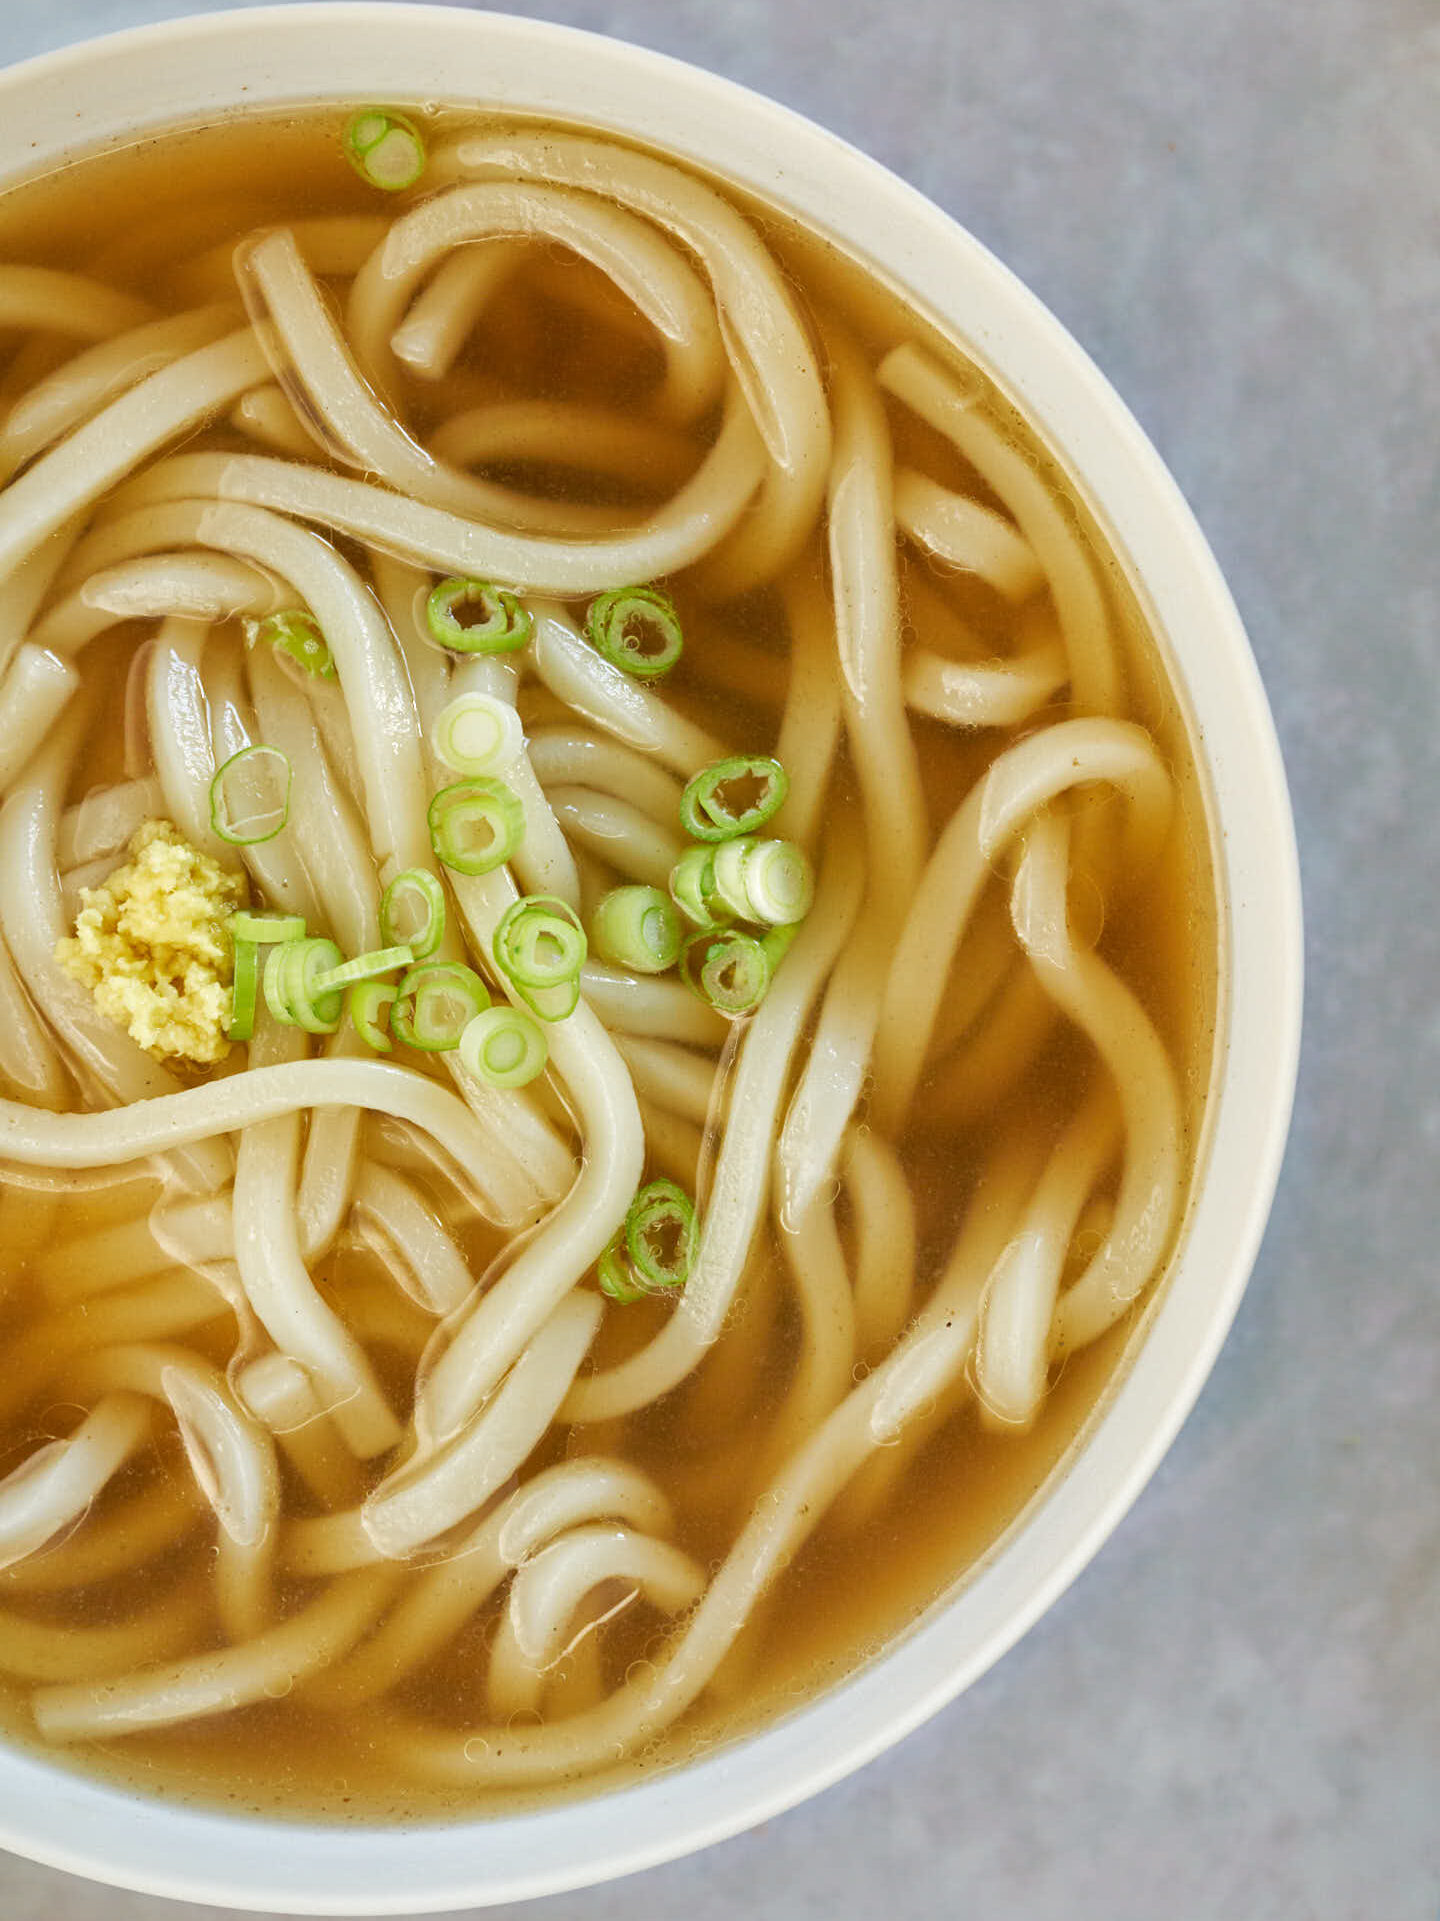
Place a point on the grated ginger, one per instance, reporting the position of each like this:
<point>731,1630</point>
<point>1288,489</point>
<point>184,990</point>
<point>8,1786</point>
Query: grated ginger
<point>152,946</point>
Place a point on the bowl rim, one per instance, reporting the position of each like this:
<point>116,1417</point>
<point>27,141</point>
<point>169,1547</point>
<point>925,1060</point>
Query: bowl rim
<point>201,63</point>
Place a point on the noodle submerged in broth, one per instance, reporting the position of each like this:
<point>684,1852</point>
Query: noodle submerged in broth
<point>719,1002</point>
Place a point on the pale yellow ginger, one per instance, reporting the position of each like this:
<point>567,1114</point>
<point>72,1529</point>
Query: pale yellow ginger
<point>152,946</point>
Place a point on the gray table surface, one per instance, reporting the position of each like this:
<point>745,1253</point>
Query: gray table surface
<point>1234,1715</point>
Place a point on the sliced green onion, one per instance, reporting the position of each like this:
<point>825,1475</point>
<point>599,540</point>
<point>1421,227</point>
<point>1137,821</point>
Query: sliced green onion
<point>692,887</point>
<point>540,947</point>
<point>476,617</point>
<point>435,1003</point>
<point>616,1277</point>
<point>366,967</point>
<point>250,796</point>
<point>476,825</point>
<point>297,635</point>
<point>636,629</point>
<point>504,1047</point>
<point>264,929</point>
<point>412,912</point>
<point>638,928</point>
<point>654,1248</point>
<point>243,989</point>
<point>385,148</point>
<point>292,993</point>
<point>477,734</point>
<point>733,796</point>
<point>369,1007</point>
<point>729,970</point>
<point>660,1234</point>
<point>763,880</point>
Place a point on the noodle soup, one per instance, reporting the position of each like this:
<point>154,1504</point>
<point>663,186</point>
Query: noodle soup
<point>554,1195</point>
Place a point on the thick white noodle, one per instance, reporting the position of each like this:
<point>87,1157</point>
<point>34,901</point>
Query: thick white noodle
<point>938,397</point>
<point>52,1488</point>
<point>764,334</point>
<point>29,1063</point>
<point>262,1669</point>
<point>1124,1036</point>
<point>572,757</point>
<point>740,1189</point>
<point>443,314</point>
<point>653,275</point>
<point>33,1650</point>
<point>134,1534</point>
<point>441,1487</point>
<point>87,381</point>
<point>191,1232</point>
<point>276,1281</point>
<point>650,1004</point>
<point>364,433</point>
<point>686,528</point>
<point>571,1238</point>
<point>277,1391</point>
<point>330,244</point>
<point>117,439</point>
<point>266,415</point>
<point>539,1625</point>
<point>883,1210</point>
<point>31,924</point>
<point>810,723</point>
<point>438,1275</point>
<point>1012,1348</point>
<point>825,1368</point>
<point>643,455</point>
<point>624,837</point>
<point>676,1077</point>
<point>867,622</point>
<point>43,299</point>
<point>35,691</point>
<point>966,536</point>
<point>613,700</point>
<point>1020,781</point>
<point>180,740</point>
<point>439,1600</point>
<point>991,693</point>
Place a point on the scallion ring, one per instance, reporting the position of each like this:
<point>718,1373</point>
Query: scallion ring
<point>476,825</point>
<point>638,928</point>
<point>692,887</point>
<point>265,929</point>
<point>636,629</point>
<point>385,148</point>
<point>250,796</point>
<point>476,617</point>
<point>504,1047</point>
<point>770,881</point>
<point>412,912</point>
<point>295,634</point>
<point>660,1234</point>
<point>369,1004</point>
<point>244,986</point>
<point>434,1004</point>
<point>617,1278</point>
<point>540,947</point>
<point>366,967</point>
<point>292,971</point>
<point>733,796</point>
<point>477,734</point>
<point>728,970</point>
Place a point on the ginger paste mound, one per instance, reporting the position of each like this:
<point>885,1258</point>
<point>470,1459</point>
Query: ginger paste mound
<point>153,948</point>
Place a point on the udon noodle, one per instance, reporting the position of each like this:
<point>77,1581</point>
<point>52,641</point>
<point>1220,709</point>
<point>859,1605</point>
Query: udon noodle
<point>328,1426</point>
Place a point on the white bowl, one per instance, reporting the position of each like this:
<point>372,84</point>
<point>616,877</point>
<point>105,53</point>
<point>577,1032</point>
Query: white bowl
<point>69,102</point>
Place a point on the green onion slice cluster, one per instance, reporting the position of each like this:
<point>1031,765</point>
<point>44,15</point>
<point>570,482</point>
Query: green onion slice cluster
<point>636,629</point>
<point>654,1249</point>
<point>476,617</point>
<point>385,148</point>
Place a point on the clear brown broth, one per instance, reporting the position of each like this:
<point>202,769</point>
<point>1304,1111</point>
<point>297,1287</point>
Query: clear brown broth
<point>138,215</point>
